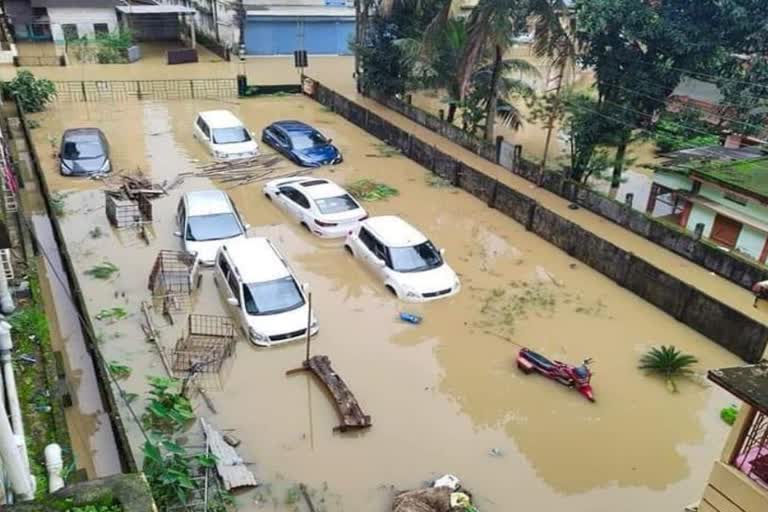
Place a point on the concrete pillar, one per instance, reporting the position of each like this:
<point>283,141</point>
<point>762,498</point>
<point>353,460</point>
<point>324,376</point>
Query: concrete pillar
<point>6,301</point>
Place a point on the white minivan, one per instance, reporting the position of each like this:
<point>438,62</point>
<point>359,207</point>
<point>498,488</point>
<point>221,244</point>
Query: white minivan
<point>411,267</point>
<point>262,292</point>
<point>224,135</point>
<point>205,220</point>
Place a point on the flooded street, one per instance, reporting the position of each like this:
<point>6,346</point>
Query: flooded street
<point>443,395</point>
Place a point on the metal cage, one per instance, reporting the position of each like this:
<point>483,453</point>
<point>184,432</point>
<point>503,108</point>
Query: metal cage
<point>173,279</point>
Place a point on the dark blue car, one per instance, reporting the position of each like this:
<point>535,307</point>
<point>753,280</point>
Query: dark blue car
<point>301,143</point>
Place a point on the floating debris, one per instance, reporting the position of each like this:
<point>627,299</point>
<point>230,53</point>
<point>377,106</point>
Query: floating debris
<point>102,271</point>
<point>368,190</point>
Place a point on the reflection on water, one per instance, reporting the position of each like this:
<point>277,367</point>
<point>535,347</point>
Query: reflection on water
<point>442,394</point>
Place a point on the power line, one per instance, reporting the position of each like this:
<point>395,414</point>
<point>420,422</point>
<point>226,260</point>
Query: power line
<point>84,325</point>
<point>716,77</point>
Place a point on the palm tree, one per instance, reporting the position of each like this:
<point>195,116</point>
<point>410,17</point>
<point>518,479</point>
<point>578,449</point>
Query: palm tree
<point>433,63</point>
<point>668,362</point>
<point>553,41</point>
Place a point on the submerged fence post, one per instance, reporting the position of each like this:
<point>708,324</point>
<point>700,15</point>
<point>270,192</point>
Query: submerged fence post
<point>192,88</point>
<point>138,89</point>
<point>82,88</point>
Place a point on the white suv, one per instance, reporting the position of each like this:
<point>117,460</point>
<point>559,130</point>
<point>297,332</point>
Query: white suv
<point>262,293</point>
<point>408,263</point>
<point>205,220</point>
<point>320,205</point>
<point>224,135</point>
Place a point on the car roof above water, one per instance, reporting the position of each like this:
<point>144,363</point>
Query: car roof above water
<point>318,188</point>
<point>393,231</point>
<point>81,134</point>
<point>293,126</point>
<point>207,202</point>
<point>220,119</point>
<point>256,259</point>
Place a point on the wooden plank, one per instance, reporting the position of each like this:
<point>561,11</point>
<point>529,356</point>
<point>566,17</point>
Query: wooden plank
<point>352,415</point>
<point>706,507</point>
<point>720,502</point>
<point>229,465</point>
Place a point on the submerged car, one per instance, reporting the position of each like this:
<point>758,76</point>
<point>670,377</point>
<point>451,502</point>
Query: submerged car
<point>411,267</point>
<point>84,152</point>
<point>301,143</point>
<point>266,301</point>
<point>206,219</point>
<point>224,136</point>
<point>321,206</point>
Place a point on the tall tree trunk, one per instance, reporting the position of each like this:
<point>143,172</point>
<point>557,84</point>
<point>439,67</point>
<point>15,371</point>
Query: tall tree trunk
<point>451,112</point>
<point>618,166</point>
<point>551,120</point>
<point>493,97</point>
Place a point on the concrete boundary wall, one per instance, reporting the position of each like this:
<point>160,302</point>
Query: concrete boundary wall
<point>724,325</point>
<point>735,268</point>
<point>106,390</point>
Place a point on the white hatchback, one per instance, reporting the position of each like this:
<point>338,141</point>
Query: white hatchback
<point>409,264</point>
<point>264,297</point>
<point>205,220</point>
<point>321,206</point>
<point>224,135</point>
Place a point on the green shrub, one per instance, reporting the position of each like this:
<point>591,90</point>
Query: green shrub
<point>33,93</point>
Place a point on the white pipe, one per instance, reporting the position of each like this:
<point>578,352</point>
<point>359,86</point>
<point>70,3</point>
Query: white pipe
<point>6,301</point>
<point>6,345</point>
<point>55,466</point>
<point>21,482</point>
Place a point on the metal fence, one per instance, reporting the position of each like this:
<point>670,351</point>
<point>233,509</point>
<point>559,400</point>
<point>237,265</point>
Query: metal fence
<point>120,90</point>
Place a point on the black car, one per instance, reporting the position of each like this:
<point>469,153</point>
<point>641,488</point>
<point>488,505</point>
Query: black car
<point>84,152</point>
<point>301,143</point>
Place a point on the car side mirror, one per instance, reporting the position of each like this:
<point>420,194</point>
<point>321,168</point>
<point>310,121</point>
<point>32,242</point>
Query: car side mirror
<point>177,233</point>
<point>232,301</point>
<point>442,251</point>
<point>246,227</point>
<point>330,140</point>
<point>380,262</point>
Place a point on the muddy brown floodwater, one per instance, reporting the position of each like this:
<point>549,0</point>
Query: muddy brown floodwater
<point>442,394</point>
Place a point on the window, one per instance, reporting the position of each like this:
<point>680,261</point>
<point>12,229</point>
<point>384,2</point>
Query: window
<point>696,187</point>
<point>295,196</point>
<point>233,285</point>
<point>367,239</point>
<point>415,259</point>
<point>223,264</point>
<point>70,32</point>
<point>329,205</point>
<point>272,297</point>
<point>203,127</point>
<point>100,29</point>
<point>217,226</point>
<point>39,12</point>
<point>735,198</point>
<point>181,214</point>
<point>41,30</point>
<point>231,135</point>
<point>751,458</point>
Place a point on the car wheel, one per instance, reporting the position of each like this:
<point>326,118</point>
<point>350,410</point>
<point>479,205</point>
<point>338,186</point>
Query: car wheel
<point>391,290</point>
<point>269,198</point>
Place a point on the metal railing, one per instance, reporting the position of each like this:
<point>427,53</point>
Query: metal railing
<point>121,90</point>
<point>39,60</point>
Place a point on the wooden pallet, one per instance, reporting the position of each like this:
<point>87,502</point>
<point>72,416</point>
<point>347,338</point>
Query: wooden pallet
<point>350,412</point>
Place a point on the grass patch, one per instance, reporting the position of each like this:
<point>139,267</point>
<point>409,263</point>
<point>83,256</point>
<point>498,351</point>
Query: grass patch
<point>102,271</point>
<point>119,371</point>
<point>368,190</point>
<point>113,314</point>
<point>31,336</point>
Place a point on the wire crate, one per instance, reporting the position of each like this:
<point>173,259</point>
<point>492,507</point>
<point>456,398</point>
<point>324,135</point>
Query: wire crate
<point>174,278</point>
<point>123,212</point>
<point>207,344</point>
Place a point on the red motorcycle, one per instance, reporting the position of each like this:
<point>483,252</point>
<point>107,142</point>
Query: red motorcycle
<point>577,377</point>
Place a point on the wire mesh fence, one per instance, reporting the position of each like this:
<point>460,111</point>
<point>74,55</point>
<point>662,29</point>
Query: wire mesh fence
<point>172,281</point>
<point>79,91</point>
<point>204,350</point>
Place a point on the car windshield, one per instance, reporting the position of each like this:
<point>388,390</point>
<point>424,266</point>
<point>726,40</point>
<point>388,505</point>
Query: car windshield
<point>230,135</point>
<point>79,150</point>
<point>201,228</point>
<point>338,204</point>
<point>272,297</point>
<point>415,259</point>
<point>306,140</point>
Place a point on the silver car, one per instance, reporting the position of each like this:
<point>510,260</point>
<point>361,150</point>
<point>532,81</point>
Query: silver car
<point>84,152</point>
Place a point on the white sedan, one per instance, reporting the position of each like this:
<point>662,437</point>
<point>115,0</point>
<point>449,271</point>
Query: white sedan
<point>411,267</point>
<point>321,206</point>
